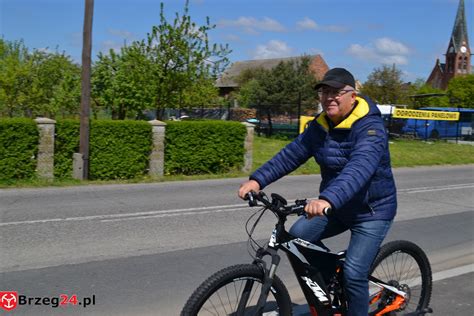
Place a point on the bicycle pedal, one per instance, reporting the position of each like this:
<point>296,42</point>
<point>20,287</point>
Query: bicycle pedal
<point>427,310</point>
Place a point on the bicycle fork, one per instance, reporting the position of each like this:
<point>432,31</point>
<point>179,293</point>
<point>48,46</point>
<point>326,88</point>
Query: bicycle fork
<point>269,274</point>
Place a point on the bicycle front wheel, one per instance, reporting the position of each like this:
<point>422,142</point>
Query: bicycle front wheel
<point>237,289</point>
<point>404,265</point>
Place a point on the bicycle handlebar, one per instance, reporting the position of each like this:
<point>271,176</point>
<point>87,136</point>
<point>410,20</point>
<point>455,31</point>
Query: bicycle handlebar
<point>279,205</point>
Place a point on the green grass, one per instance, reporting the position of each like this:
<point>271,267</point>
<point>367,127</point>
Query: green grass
<point>265,148</point>
<point>404,153</point>
<point>411,153</point>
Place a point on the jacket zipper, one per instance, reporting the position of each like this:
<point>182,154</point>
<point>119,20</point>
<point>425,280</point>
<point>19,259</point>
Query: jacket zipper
<point>371,210</point>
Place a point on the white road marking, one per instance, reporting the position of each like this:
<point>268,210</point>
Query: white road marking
<point>446,274</point>
<point>200,210</point>
<point>438,188</point>
<point>125,216</point>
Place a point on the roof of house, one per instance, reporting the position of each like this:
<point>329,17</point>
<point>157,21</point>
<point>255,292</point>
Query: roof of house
<point>229,77</point>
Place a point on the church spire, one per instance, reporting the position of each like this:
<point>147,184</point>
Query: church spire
<point>459,36</point>
<point>458,54</point>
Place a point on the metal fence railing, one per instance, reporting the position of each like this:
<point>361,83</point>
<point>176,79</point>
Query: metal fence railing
<point>283,124</point>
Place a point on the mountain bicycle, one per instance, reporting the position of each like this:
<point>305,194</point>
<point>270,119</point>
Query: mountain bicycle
<point>400,281</point>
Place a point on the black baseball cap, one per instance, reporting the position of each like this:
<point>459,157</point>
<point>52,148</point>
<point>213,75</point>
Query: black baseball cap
<point>337,78</point>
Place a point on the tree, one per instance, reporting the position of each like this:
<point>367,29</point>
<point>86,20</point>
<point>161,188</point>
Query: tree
<point>461,91</point>
<point>423,90</point>
<point>53,79</point>
<point>385,85</point>
<point>123,83</point>
<point>14,76</point>
<point>281,87</point>
<point>39,83</point>
<point>199,93</point>
<point>182,56</point>
<point>175,66</point>
<point>252,93</point>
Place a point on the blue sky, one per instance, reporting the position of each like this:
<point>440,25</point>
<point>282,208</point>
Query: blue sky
<point>356,34</point>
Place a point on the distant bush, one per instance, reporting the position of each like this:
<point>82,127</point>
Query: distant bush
<point>199,147</point>
<point>18,148</point>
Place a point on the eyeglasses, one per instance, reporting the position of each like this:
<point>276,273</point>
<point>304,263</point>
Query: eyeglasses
<point>334,93</point>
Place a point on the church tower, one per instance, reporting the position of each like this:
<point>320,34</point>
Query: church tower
<point>458,54</point>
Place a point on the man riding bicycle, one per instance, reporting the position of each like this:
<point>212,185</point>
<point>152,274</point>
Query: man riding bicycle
<point>349,142</point>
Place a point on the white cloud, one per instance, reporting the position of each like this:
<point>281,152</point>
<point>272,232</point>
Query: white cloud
<point>122,34</point>
<point>46,50</point>
<point>307,24</point>
<point>386,45</point>
<point>273,49</point>
<point>310,24</point>
<point>315,51</point>
<point>232,38</point>
<point>107,45</point>
<point>361,52</point>
<point>125,38</point>
<point>252,25</point>
<point>382,50</point>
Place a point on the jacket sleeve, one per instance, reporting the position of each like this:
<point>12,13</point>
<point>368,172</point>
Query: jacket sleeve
<point>288,159</point>
<point>369,146</point>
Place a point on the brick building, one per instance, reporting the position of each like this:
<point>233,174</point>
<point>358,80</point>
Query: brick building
<point>228,81</point>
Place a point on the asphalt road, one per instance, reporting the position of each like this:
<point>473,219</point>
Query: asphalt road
<point>141,249</point>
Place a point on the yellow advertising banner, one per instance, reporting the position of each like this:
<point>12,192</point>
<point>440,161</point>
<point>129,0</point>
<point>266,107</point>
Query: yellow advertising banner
<point>304,122</point>
<point>425,115</point>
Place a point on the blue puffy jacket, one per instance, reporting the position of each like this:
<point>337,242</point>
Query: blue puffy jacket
<point>354,157</point>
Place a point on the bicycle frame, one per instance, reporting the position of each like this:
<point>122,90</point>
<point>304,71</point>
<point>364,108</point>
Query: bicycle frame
<point>316,267</point>
<point>243,289</point>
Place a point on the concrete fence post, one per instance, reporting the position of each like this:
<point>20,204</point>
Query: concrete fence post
<point>248,145</point>
<point>157,156</point>
<point>45,165</point>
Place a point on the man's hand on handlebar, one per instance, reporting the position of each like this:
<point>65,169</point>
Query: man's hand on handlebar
<point>317,208</point>
<point>312,208</point>
<point>247,186</point>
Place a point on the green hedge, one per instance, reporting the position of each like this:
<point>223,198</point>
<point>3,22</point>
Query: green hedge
<point>117,149</point>
<point>121,149</point>
<point>18,148</point>
<point>66,143</point>
<point>199,147</point>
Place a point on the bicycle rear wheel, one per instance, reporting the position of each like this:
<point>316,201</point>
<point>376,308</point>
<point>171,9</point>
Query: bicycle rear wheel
<point>405,266</point>
<point>237,288</point>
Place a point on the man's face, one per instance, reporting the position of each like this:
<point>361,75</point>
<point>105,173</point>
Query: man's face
<point>337,103</point>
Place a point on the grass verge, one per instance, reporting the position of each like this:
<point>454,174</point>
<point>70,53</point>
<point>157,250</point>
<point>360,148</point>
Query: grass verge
<point>404,153</point>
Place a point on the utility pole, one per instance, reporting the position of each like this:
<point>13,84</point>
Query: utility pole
<point>299,114</point>
<point>83,157</point>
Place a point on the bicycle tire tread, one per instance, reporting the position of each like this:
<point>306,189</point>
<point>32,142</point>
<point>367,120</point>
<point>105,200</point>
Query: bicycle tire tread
<point>206,289</point>
<point>418,254</point>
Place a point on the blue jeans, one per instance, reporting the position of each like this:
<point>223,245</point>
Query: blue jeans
<point>364,244</point>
